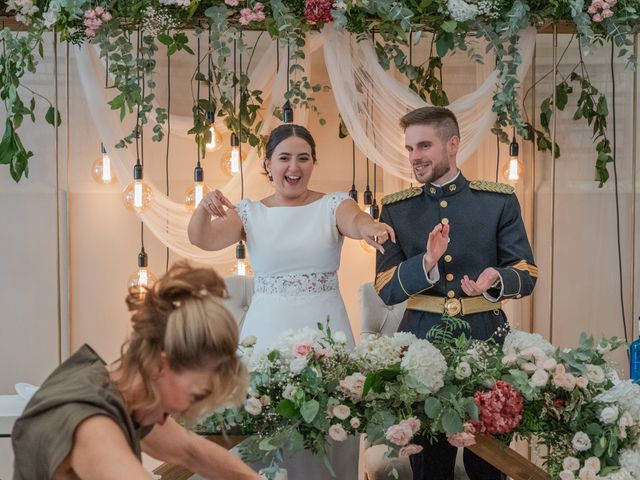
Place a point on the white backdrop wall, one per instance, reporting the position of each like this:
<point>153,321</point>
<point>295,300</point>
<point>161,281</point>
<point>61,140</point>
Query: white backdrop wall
<point>102,237</point>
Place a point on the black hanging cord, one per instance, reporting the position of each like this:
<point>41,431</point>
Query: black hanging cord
<point>166,158</point>
<point>198,96</point>
<point>143,95</point>
<point>497,157</point>
<point>138,105</point>
<point>615,182</point>
<point>242,97</point>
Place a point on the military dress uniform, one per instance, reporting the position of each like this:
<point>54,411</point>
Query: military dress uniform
<point>486,230</point>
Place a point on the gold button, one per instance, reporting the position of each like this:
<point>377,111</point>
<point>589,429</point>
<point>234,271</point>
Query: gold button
<point>448,258</point>
<point>449,276</point>
<point>451,294</point>
<point>445,221</point>
<point>443,204</point>
<point>432,190</point>
<point>452,187</point>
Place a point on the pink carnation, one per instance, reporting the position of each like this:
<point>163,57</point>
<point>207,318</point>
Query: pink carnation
<point>500,409</point>
<point>318,11</point>
<point>232,3</point>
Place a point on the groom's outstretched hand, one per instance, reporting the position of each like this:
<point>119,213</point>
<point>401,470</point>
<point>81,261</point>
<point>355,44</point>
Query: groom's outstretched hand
<point>436,245</point>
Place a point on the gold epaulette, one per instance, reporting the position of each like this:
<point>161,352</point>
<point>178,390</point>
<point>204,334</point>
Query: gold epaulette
<point>401,195</point>
<point>485,186</point>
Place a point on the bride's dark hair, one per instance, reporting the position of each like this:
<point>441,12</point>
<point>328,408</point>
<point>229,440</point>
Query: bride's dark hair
<point>284,131</point>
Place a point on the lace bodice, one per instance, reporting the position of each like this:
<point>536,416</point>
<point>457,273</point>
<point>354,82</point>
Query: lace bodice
<point>293,250</point>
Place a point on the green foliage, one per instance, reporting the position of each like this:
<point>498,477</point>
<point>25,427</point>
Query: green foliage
<point>132,66</point>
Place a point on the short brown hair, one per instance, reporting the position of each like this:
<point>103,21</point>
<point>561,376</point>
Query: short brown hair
<point>442,118</point>
<point>183,316</point>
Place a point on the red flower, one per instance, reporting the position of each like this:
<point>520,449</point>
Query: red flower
<point>500,409</point>
<point>318,11</point>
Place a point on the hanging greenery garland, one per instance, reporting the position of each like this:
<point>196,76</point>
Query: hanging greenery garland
<point>113,24</point>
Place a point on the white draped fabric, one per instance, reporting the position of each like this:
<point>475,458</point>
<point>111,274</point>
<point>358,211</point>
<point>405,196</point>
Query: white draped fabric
<point>371,102</point>
<point>368,98</point>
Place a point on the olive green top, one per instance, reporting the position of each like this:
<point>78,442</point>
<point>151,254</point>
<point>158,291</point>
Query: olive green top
<point>78,389</point>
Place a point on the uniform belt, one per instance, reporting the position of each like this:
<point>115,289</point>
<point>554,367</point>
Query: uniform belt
<point>451,306</point>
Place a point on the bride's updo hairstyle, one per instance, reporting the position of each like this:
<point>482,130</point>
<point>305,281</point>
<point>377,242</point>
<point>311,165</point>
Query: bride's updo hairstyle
<point>284,131</point>
<point>183,316</point>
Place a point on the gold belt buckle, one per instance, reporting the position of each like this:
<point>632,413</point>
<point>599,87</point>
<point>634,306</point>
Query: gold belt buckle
<point>452,307</point>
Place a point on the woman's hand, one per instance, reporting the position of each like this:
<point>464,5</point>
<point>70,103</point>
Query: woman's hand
<point>214,202</point>
<point>376,234</point>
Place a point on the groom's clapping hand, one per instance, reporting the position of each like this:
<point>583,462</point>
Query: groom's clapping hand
<point>436,245</point>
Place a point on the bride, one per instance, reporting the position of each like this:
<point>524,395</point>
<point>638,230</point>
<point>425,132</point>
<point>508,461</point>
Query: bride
<point>294,238</point>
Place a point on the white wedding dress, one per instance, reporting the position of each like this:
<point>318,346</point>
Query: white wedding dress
<point>295,254</point>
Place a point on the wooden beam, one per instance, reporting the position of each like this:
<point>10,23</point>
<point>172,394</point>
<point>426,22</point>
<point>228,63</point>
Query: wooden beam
<point>12,24</point>
<point>506,460</point>
<point>173,472</point>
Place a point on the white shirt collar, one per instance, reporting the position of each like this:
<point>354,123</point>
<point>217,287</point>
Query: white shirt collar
<point>447,183</point>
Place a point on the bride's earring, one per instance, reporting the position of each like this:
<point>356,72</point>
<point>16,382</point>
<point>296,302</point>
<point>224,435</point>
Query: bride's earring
<point>270,176</point>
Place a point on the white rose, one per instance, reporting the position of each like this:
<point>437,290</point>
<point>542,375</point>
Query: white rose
<point>587,474</point>
<point>355,423</point>
<point>581,442</point>
<point>289,391</point>
<point>595,374</point>
<point>253,406</point>
<point>337,433</point>
<point>571,463</point>
<point>529,367</point>
<point>539,378</point>
<point>567,475</point>
<point>593,463</point>
<point>249,341</point>
<point>341,411</point>
<point>340,337</point>
<point>609,414</point>
<point>297,364</point>
<point>463,370</point>
<point>549,364</point>
<point>509,359</point>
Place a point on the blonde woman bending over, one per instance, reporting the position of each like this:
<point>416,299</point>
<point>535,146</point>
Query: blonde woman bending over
<point>89,420</point>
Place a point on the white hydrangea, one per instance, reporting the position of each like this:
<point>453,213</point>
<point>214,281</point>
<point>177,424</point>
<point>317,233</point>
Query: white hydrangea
<point>517,341</point>
<point>462,11</point>
<point>377,352</point>
<point>403,339</point>
<point>630,461</point>
<point>621,474</point>
<point>626,394</point>
<point>425,367</point>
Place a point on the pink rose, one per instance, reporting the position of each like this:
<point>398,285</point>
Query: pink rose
<point>353,386</point>
<point>258,6</point>
<point>265,400</point>
<point>399,434</point>
<point>232,3</point>
<point>337,433</point>
<point>582,382</point>
<point>462,439</point>
<point>245,16</point>
<point>355,423</point>
<point>341,411</point>
<point>411,449</point>
<point>597,17</point>
<point>253,406</point>
<point>323,353</point>
<point>413,422</point>
<point>302,349</point>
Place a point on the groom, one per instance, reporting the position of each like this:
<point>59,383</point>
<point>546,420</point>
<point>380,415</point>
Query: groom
<point>461,249</point>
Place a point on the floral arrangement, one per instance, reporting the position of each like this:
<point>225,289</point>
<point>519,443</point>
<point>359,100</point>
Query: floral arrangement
<point>310,387</point>
<point>113,24</point>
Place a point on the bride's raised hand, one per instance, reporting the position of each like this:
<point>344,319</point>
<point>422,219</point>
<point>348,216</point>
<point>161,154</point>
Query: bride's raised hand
<point>376,234</point>
<point>214,204</point>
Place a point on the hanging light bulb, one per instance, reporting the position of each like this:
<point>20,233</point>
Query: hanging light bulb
<point>230,162</point>
<point>197,191</point>
<point>241,266</point>
<point>101,170</point>
<point>287,112</point>
<point>374,210</point>
<point>137,195</point>
<point>367,199</point>
<point>215,142</point>
<point>142,279</point>
<point>513,167</point>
